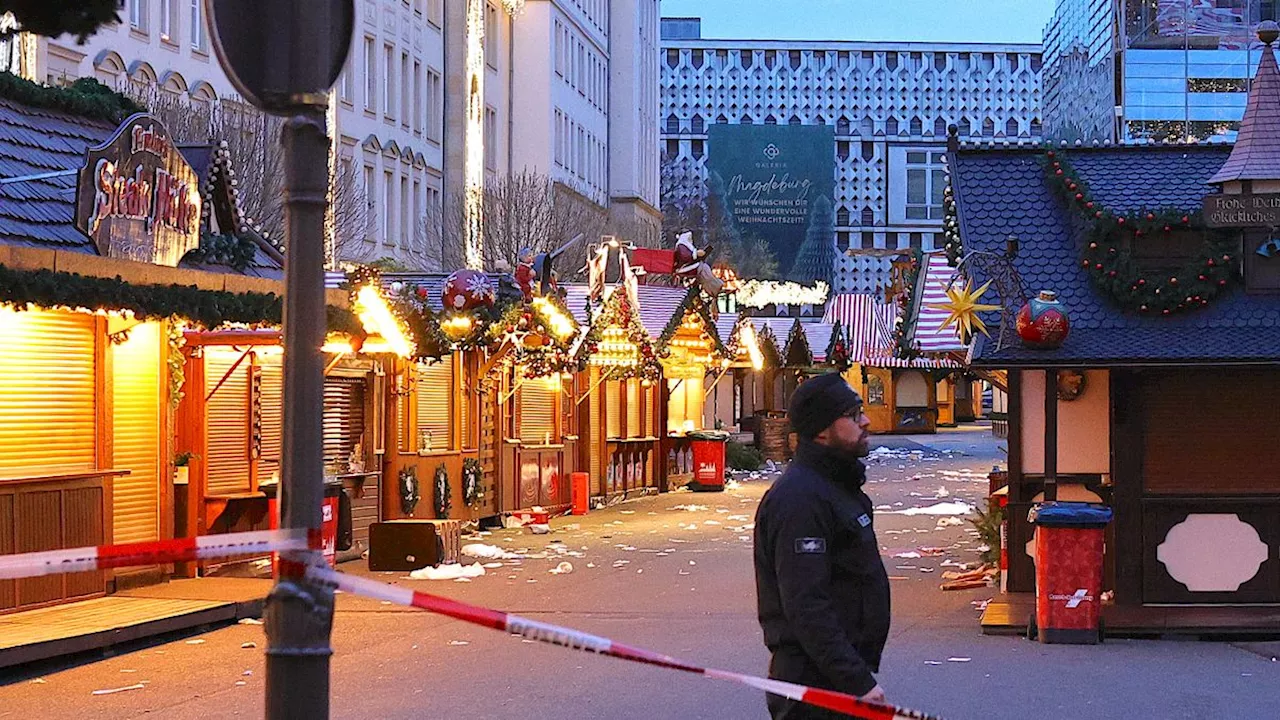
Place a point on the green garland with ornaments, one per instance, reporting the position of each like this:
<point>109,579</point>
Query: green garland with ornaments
<point>798,352</point>
<point>838,349</point>
<point>617,312</point>
<point>1107,256</point>
<point>86,97</point>
<point>538,350</point>
<point>693,301</point>
<point>906,301</point>
<point>408,303</point>
<point>209,309</point>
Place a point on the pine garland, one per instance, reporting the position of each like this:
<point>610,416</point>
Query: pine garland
<point>472,492</point>
<point>953,244</point>
<point>838,349</point>
<point>1110,263</point>
<point>539,352</point>
<point>85,97</point>
<point>209,309</point>
<point>906,302</point>
<point>236,251</point>
<point>692,302</point>
<point>797,350</point>
<point>617,312</point>
<point>443,495</point>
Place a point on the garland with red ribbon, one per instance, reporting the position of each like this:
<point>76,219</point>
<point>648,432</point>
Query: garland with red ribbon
<point>1108,258</point>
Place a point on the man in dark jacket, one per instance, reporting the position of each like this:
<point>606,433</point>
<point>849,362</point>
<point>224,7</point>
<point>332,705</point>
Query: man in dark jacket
<point>822,590</point>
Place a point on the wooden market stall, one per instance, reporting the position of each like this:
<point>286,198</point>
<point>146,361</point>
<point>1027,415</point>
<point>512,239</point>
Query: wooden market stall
<point>689,349</point>
<point>617,398</point>
<point>112,240</point>
<point>1101,412</point>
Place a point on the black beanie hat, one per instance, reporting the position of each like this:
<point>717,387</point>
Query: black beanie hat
<point>819,402</point>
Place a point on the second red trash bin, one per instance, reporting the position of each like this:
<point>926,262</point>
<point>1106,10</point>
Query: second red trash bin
<point>1068,552</point>
<point>708,460</point>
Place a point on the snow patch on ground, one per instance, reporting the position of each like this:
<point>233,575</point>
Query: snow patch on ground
<point>452,571</point>
<point>944,508</point>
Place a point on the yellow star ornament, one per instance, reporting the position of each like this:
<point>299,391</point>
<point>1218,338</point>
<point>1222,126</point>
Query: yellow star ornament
<point>963,308</point>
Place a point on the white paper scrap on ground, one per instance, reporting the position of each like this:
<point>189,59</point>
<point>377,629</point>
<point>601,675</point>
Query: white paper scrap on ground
<point>958,659</point>
<point>452,571</point>
<point>944,508</point>
<point>113,691</point>
<point>488,552</point>
<point>690,508</point>
<point>563,568</point>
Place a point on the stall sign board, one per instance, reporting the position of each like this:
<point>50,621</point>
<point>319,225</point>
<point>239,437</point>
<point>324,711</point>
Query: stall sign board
<point>1242,211</point>
<point>137,197</point>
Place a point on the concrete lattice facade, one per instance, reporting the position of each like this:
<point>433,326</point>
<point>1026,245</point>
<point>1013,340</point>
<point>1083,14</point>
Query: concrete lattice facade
<point>890,103</point>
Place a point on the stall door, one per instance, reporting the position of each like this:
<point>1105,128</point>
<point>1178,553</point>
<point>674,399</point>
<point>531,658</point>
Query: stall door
<point>137,442</point>
<point>946,403</point>
<point>1211,487</point>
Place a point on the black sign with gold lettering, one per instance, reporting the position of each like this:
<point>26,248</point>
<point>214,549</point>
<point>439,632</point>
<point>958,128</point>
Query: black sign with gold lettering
<point>1229,211</point>
<point>137,197</point>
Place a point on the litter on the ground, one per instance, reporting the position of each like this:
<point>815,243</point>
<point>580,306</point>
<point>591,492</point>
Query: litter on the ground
<point>488,552</point>
<point>955,507</point>
<point>563,568</point>
<point>452,571</point>
<point>690,508</point>
<point>250,621</point>
<point>113,691</point>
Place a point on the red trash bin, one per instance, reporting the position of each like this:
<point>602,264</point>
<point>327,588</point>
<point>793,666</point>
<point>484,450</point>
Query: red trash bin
<point>1068,551</point>
<point>580,491</point>
<point>329,517</point>
<point>708,460</point>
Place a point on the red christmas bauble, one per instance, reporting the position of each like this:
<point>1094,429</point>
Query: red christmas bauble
<point>467,290</point>
<point>1043,323</point>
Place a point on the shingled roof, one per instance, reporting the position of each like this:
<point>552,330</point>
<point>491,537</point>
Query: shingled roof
<point>1002,192</point>
<point>1256,155</point>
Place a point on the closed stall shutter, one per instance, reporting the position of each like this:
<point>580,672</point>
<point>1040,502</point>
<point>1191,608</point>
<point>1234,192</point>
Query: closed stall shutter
<point>435,406</point>
<point>271,405</point>
<point>613,409</point>
<point>469,431</point>
<point>136,443</point>
<point>634,428</point>
<point>649,406</point>
<point>1212,432</point>
<point>227,422</point>
<point>343,418</point>
<point>47,392</point>
<point>538,415</point>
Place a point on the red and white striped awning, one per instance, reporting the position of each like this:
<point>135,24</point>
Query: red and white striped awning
<point>869,324</point>
<point>930,334</point>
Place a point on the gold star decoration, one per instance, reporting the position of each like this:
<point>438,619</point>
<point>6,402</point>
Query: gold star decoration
<point>963,308</point>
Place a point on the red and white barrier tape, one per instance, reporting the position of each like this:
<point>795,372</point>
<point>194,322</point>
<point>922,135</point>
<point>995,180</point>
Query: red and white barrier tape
<point>103,557</point>
<point>576,640</point>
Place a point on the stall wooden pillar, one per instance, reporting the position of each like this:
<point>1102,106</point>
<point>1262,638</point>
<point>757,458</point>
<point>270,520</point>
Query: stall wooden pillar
<point>1050,435</point>
<point>1127,437</point>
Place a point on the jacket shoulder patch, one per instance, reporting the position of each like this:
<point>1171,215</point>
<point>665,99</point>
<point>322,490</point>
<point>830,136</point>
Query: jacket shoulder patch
<point>811,546</point>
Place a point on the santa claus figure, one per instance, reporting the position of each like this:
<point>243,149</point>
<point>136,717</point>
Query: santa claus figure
<point>689,264</point>
<point>525,275</point>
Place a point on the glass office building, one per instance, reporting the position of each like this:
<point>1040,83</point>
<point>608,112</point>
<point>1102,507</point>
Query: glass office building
<point>1125,70</point>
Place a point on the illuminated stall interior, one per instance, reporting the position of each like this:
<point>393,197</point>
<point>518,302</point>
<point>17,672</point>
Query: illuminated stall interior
<point>690,349</point>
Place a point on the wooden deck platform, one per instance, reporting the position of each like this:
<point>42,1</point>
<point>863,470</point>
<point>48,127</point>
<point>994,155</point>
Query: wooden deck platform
<point>1010,614</point>
<point>136,614</point>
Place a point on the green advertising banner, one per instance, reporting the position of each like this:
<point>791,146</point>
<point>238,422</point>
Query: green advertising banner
<point>777,182</point>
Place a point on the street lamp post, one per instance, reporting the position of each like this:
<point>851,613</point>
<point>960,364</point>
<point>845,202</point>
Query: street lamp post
<point>284,56</point>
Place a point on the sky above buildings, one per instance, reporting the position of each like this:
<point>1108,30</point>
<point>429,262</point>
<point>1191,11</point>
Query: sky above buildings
<point>919,20</point>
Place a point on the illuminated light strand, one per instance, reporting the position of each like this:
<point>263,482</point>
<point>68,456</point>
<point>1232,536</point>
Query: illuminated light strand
<point>759,293</point>
<point>378,320</point>
<point>577,640</point>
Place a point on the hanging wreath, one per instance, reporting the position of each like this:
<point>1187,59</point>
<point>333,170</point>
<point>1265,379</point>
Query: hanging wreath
<point>1109,261</point>
<point>409,495</point>
<point>443,495</point>
<point>472,493</point>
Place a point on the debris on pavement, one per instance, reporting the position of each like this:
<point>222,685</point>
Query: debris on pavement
<point>955,507</point>
<point>564,568</point>
<point>452,571</point>
<point>248,645</point>
<point>250,621</point>
<point>113,691</point>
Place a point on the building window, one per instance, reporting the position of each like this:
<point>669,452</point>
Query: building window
<point>406,203</point>
<point>389,82</point>
<point>490,35</point>
<point>138,15</point>
<point>199,38</point>
<point>370,76</point>
<point>435,12</point>
<point>406,94</point>
<point>168,26</point>
<point>389,208</point>
<point>370,194</point>
<point>435,118</point>
<point>868,240</point>
<point>490,138</point>
<point>926,179</point>
<point>417,97</point>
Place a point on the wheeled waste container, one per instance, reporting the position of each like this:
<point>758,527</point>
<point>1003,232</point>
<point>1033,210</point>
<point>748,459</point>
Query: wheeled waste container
<point>708,460</point>
<point>1068,553</point>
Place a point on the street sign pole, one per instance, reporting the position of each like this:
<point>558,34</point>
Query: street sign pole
<point>284,56</point>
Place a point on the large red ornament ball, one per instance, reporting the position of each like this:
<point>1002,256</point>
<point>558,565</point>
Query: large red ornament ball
<point>467,290</point>
<point>1043,323</point>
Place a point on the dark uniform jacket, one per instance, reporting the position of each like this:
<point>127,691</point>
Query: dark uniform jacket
<point>822,589</point>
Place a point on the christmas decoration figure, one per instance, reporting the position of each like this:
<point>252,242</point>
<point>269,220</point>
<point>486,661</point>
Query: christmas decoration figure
<point>690,265</point>
<point>408,490</point>
<point>525,274</point>
<point>467,290</point>
<point>1043,322</point>
<point>963,307</point>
